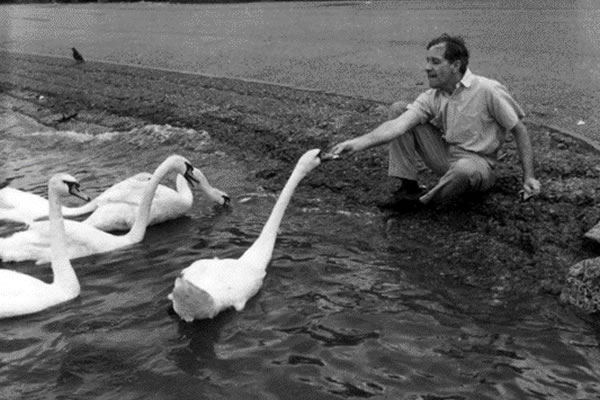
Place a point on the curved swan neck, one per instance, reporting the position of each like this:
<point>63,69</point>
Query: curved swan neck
<point>64,275</point>
<point>259,254</point>
<point>138,230</point>
<point>183,187</point>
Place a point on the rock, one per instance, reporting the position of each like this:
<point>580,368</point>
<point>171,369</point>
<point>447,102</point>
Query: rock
<point>582,287</point>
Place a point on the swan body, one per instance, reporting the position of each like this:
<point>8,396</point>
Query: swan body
<point>207,287</point>
<point>21,294</point>
<point>117,211</point>
<point>83,239</point>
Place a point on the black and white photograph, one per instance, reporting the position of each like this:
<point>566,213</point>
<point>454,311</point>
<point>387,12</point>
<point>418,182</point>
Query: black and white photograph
<point>273,200</point>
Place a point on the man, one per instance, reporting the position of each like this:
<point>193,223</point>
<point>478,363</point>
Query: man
<point>456,127</point>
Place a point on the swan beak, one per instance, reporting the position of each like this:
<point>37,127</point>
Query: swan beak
<point>226,201</point>
<point>189,174</point>
<point>75,191</point>
<point>327,156</point>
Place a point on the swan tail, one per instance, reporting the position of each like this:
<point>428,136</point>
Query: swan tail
<point>190,302</point>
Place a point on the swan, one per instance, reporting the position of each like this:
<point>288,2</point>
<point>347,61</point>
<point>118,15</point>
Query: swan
<point>83,239</point>
<point>207,287</point>
<point>115,208</point>
<point>21,294</point>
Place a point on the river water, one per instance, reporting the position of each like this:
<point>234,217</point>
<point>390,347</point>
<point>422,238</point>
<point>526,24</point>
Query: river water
<point>345,312</point>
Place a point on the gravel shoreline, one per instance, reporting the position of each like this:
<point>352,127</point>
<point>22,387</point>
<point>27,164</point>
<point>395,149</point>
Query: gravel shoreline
<point>494,242</point>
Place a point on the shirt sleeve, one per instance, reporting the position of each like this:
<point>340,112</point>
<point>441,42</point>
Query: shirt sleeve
<point>503,107</point>
<point>423,106</point>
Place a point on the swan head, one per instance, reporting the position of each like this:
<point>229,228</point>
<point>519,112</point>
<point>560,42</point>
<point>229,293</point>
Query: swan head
<point>195,176</point>
<point>65,185</point>
<point>309,160</point>
<point>218,196</point>
<point>182,166</point>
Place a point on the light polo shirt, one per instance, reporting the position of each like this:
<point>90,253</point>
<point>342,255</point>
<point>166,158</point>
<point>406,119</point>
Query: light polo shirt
<point>475,117</point>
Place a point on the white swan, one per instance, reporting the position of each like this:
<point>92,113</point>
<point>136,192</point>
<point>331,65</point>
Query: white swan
<point>117,206</point>
<point>83,239</point>
<point>22,294</point>
<point>208,287</point>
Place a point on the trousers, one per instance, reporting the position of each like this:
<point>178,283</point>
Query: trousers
<point>460,171</point>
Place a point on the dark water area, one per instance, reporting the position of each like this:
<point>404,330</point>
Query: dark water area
<point>344,312</point>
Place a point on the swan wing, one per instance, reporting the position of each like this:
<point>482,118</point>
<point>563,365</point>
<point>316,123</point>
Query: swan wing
<point>120,216</point>
<point>20,206</point>
<point>30,244</point>
<point>113,217</point>
<point>129,190</point>
<point>34,243</point>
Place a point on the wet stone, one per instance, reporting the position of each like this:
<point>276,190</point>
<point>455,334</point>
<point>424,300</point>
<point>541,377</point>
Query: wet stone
<point>582,287</point>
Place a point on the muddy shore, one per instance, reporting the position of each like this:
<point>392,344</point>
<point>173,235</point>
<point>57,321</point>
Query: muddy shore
<point>494,241</point>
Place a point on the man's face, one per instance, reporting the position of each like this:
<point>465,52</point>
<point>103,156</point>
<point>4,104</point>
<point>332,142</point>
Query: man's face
<point>440,73</point>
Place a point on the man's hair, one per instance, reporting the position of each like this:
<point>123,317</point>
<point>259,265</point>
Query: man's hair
<point>455,49</point>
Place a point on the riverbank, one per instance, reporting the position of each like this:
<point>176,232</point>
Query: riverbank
<point>495,242</point>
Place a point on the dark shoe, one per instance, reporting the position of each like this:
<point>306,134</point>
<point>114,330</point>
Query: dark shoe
<point>410,190</point>
<point>405,198</point>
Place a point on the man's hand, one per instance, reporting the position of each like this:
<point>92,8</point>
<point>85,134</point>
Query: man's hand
<point>531,187</point>
<point>347,147</point>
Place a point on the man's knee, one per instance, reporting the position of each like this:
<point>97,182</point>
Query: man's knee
<point>397,109</point>
<point>468,172</point>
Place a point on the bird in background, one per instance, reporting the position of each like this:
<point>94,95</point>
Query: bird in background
<point>77,55</point>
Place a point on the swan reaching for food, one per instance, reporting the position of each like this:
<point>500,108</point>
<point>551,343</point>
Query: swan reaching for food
<point>83,239</point>
<point>21,294</point>
<point>117,210</point>
<point>208,287</point>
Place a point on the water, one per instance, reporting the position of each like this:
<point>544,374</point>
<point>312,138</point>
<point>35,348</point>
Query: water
<point>342,313</point>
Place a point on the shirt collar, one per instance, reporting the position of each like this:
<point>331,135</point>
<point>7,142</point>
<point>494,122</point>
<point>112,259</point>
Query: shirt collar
<point>466,80</point>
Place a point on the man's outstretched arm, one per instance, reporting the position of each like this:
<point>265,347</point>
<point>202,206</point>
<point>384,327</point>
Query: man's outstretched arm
<point>384,133</point>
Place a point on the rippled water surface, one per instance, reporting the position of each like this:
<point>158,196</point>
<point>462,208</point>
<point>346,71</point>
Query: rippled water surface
<point>343,313</point>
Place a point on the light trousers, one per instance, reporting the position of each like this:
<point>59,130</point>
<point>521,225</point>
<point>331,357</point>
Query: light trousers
<point>461,171</point>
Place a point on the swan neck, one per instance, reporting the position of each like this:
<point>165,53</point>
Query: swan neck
<point>138,230</point>
<point>64,275</point>
<point>259,254</point>
<point>183,187</point>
